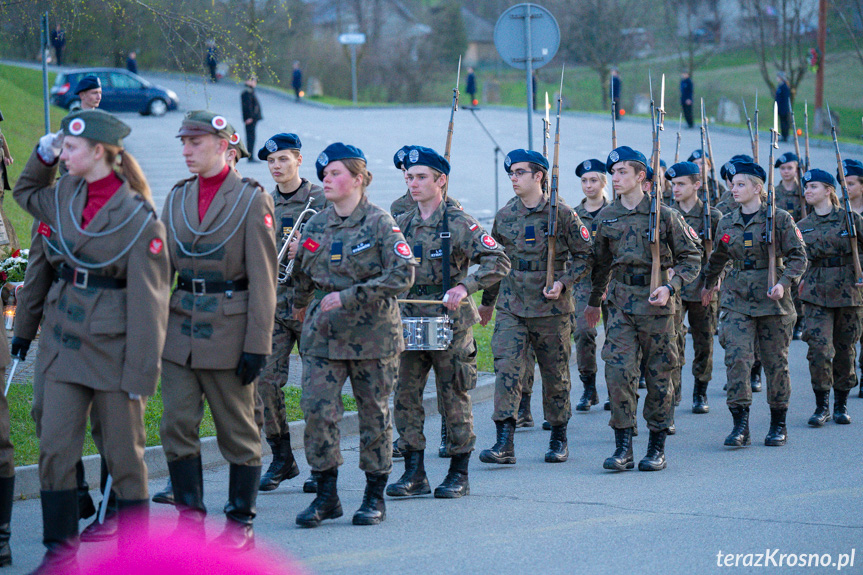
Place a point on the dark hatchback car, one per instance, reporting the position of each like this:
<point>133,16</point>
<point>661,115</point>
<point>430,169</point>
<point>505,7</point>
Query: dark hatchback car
<point>122,91</point>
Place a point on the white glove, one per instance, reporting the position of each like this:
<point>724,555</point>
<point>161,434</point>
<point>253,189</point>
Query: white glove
<point>50,146</point>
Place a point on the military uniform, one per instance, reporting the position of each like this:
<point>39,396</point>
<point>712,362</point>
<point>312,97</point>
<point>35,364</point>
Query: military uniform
<point>402,205</point>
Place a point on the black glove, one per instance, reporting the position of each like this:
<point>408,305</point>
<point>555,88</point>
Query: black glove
<point>250,366</point>
<point>20,347</point>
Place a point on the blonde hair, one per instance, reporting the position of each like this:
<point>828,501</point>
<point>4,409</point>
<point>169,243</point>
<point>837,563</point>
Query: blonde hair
<point>126,166</point>
<point>756,181</point>
<point>834,199</point>
<point>357,167</point>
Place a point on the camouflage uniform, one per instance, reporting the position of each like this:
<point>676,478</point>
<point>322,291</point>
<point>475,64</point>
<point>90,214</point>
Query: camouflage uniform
<point>791,202</point>
<point>747,314</point>
<point>583,334</point>
<point>525,315</point>
<point>286,331</point>
<point>834,306</point>
<point>455,368</point>
<point>623,259</point>
<point>726,203</point>
<point>366,259</point>
<point>402,205</point>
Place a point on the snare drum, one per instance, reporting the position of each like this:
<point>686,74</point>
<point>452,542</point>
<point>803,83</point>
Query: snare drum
<point>427,333</point>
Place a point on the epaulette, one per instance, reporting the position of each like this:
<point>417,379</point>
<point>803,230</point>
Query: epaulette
<point>184,181</point>
<point>254,183</point>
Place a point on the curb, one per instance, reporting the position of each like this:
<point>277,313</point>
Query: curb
<point>27,476</point>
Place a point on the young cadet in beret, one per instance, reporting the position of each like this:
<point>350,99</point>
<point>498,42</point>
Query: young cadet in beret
<point>405,203</point>
<point>529,314</point>
<point>834,299</point>
<point>593,183</point>
<point>788,198</point>
<point>854,182</point>
<point>89,92</point>
<point>638,320</point>
<point>442,273</point>
<point>717,190</point>
<point>223,250</point>
<point>685,178</point>
<point>753,313</point>
<point>726,201</point>
<point>352,262</point>
<point>108,312</point>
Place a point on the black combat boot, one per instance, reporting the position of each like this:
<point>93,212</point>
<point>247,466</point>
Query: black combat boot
<point>443,450</point>
<point>607,405</point>
<point>840,408</point>
<point>525,418</point>
<point>558,451</point>
<point>777,435</point>
<point>310,485</point>
<point>589,397</point>
<point>373,509</point>
<point>283,466</point>
<point>60,532</point>
<point>455,484</point>
<point>798,330</point>
<point>86,507</point>
<point>166,495</point>
<point>7,493</point>
<point>654,460</point>
<point>414,480</point>
<point>546,426</point>
<point>622,459</point>
<point>672,429</point>
<point>755,377</point>
<point>822,409</point>
<point>326,505</point>
<point>106,530</point>
<point>397,454</point>
<point>239,535</point>
<point>503,451</point>
<point>642,382</point>
<point>187,479</point>
<point>699,397</point>
<point>739,436</point>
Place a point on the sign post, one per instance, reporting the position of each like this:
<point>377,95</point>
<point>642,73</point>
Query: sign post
<point>353,39</point>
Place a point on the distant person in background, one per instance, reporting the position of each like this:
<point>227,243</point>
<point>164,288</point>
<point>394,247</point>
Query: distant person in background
<point>471,85</point>
<point>686,90</point>
<point>132,62</point>
<point>615,91</point>
<point>251,112</point>
<point>297,80</point>
<point>58,40</point>
<point>212,59</point>
<point>89,92</point>
<point>783,103</point>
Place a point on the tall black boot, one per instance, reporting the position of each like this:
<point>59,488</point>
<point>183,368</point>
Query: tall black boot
<point>822,409</point>
<point>106,530</point>
<point>654,459</point>
<point>239,535</point>
<point>443,450</point>
<point>283,466</point>
<point>589,397</point>
<point>373,509</point>
<point>699,397</point>
<point>60,532</point>
<point>840,407</point>
<point>558,451</point>
<point>622,459</point>
<point>310,485</point>
<point>86,507</point>
<point>414,480</point>
<point>166,495</point>
<point>503,451</point>
<point>755,377</point>
<point>455,484</point>
<point>187,478</point>
<point>7,493</point>
<point>739,436</point>
<point>525,417</point>
<point>777,435</point>
<point>326,504</point>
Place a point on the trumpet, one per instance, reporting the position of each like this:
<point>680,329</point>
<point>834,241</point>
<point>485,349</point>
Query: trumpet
<point>285,269</point>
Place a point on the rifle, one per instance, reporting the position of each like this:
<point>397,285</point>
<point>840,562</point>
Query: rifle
<point>708,224</point>
<point>613,125</point>
<point>546,126</point>
<point>806,133</point>
<point>656,196</point>
<point>714,192</point>
<point>800,170</point>
<point>755,131</point>
<point>452,112</point>
<point>849,213</point>
<point>552,198</point>
<point>752,140</point>
<point>677,147</point>
<point>771,202</point>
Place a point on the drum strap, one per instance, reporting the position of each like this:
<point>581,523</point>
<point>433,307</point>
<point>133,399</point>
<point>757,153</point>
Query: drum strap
<point>445,248</point>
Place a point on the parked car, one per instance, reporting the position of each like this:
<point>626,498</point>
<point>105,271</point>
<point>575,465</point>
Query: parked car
<point>122,91</point>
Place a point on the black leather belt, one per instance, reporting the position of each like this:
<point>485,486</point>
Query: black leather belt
<point>534,266</point>
<point>426,290</point>
<point>831,262</point>
<point>200,286</point>
<point>639,280</point>
<point>83,278</point>
<point>754,264</point>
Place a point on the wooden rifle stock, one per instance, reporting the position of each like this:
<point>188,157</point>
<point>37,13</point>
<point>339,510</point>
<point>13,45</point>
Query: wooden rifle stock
<point>771,211</point>
<point>800,170</point>
<point>849,213</point>
<point>552,199</point>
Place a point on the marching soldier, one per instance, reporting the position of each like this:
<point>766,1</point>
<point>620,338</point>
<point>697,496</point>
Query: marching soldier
<point>715,188</point>
<point>223,250</point>
<point>788,198</point>
<point>753,313</point>
<point>352,262</point>
<point>527,311</point>
<point>405,203</point>
<point>726,201</point>
<point>638,320</point>
<point>107,313</point>
<point>446,242</point>
<point>834,300</point>
<point>854,182</point>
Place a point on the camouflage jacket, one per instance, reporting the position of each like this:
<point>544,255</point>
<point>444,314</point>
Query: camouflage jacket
<point>522,233</point>
<point>829,279</point>
<point>287,210</point>
<point>726,203</point>
<point>695,220</point>
<point>582,289</point>
<point>789,200</point>
<point>402,205</point>
<point>469,244</point>
<point>744,245</point>
<point>366,259</point>
<point>623,260</point>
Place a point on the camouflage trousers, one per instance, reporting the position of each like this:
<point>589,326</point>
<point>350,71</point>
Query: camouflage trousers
<point>527,379</point>
<point>585,338</point>
<point>510,344</point>
<point>832,334</point>
<point>275,375</point>
<point>372,382</point>
<point>655,338</point>
<point>455,375</point>
<point>702,326</point>
<point>771,334</point>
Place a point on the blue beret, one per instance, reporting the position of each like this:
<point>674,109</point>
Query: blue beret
<point>723,171</point>
<point>590,166</point>
<point>337,151</point>
<point>817,175</point>
<point>785,158</point>
<point>88,83</point>
<point>697,154</point>
<point>648,177</point>
<point>422,156</point>
<point>624,154</point>
<point>399,157</point>
<point>279,142</point>
<point>748,168</point>
<point>521,155</point>
<point>852,168</point>
<point>682,169</point>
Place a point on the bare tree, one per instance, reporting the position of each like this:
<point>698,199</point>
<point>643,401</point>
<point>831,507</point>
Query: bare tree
<point>698,25</point>
<point>851,14</point>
